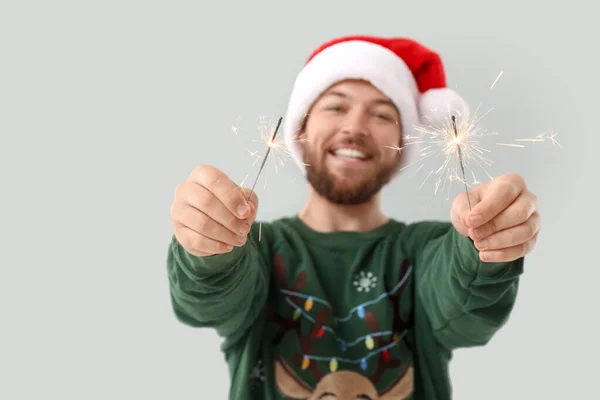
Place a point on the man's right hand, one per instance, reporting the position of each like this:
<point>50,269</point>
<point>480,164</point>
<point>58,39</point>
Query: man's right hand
<point>210,212</point>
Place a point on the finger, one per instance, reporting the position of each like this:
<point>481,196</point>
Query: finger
<point>204,225</point>
<point>509,254</point>
<point>515,214</point>
<point>224,189</point>
<point>497,197</point>
<point>205,201</point>
<point>199,245</point>
<point>511,236</point>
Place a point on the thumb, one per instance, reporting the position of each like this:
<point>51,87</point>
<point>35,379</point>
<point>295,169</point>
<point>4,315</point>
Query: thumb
<point>461,210</point>
<point>253,212</point>
<point>250,197</point>
<point>252,202</point>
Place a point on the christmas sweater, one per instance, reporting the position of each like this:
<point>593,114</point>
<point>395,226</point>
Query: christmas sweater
<point>343,315</point>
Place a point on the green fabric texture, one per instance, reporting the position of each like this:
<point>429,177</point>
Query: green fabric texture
<point>300,310</point>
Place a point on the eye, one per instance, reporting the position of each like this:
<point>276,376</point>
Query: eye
<point>385,117</point>
<point>334,107</point>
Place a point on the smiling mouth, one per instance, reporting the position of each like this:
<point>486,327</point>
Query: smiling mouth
<point>350,154</point>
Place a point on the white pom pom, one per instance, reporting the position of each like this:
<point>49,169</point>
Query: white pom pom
<point>437,106</point>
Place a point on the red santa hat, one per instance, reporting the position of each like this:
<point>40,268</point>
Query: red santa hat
<point>411,75</point>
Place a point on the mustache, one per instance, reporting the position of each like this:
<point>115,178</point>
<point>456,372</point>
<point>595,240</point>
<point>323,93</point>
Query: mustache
<point>357,140</point>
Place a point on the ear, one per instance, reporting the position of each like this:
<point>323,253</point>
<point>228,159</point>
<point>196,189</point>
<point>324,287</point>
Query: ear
<point>402,389</point>
<point>301,132</point>
<point>288,385</point>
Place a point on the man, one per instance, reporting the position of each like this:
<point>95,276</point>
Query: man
<point>340,301</point>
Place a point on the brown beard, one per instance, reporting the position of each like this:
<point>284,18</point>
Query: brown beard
<point>328,186</point>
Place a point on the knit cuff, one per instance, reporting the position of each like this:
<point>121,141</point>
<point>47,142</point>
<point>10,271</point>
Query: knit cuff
<point>482,269</point>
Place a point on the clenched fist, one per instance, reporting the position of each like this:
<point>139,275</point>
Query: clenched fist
<point>210,213</point>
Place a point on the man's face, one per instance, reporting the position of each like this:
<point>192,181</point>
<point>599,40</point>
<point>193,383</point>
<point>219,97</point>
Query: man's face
<point>347,140</point>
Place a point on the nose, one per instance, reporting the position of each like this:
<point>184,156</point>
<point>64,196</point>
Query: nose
<point>355,123</point>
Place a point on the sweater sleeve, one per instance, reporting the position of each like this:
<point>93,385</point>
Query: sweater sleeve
<point>224,291</point>
<point>466,300</point>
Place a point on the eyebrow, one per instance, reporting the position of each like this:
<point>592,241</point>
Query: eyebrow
<point>346,96</point>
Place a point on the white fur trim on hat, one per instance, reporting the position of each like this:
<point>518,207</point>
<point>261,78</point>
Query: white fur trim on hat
<point>438,105</point>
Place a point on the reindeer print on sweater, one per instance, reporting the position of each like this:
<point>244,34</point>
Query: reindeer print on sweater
<point>346,342</point>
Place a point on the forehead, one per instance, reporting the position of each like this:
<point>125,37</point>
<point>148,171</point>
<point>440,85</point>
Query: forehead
<point>356,90</point>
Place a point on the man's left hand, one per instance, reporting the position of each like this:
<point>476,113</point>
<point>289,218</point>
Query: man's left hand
<point>504,222</point>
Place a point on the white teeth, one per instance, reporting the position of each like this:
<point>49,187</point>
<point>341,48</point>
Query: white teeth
<point>350,153</point>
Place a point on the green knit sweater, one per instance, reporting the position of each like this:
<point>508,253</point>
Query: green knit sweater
<point>313,315</point>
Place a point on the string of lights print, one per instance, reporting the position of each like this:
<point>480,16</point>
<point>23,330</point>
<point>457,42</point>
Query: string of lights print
<point>344,345</point>
<point>358,310</point>
<point>363,361</point>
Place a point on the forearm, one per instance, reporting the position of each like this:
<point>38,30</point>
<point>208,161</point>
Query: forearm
<point>467,300</point>
<point>224,291</point>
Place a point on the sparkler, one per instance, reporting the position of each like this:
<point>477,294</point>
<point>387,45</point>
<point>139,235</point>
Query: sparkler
<point>271,144</point>
<point>461,139</point>
<point>460,158</point>
<point>457,138</point>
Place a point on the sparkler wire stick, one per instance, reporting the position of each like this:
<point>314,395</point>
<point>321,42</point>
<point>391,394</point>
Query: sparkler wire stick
<point>266,155</point>
<point>460,159</point>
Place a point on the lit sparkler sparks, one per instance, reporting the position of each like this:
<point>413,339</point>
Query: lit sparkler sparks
<point>271,144</point>
<point>268,135</point>
<point>281,154</point>
<point>542,137</point>
<point>496,81</point>
<point>277,151</point>
<point>459,142</point>
<point>457,139</point>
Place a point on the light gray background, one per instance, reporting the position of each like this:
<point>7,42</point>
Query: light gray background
<point>105,106</point>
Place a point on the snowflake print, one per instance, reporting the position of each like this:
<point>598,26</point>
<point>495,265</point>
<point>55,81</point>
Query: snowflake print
<point>365,281</point>
<point>257,375</point>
